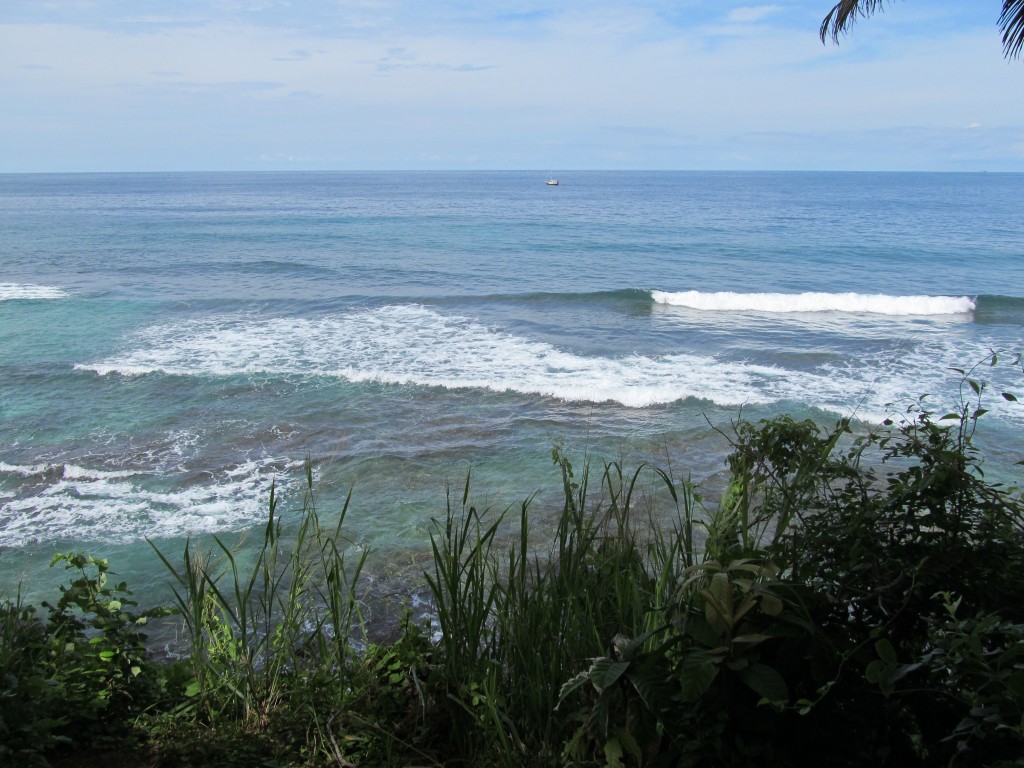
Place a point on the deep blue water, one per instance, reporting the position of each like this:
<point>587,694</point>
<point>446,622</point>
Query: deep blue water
<point>170,344</point>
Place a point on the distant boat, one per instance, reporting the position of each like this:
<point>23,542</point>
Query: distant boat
<point>552,181</point>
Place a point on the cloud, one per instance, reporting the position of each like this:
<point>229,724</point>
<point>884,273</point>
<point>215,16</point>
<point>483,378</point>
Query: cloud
<point>402,58</point>
<point>281,157</point>
<point>751,14</point>
<point>239,87</point>
<point>297,54</point>
<point>370,83</point>
<point>647,131</point>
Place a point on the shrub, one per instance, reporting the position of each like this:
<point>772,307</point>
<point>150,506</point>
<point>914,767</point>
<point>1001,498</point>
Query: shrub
<point>80,676</point>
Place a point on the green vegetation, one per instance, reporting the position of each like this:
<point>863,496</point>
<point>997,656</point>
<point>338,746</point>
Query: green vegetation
<point>853,599</point>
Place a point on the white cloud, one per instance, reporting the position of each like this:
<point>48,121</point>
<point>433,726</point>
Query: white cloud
<point>751,14</point>
<point>566,85</point>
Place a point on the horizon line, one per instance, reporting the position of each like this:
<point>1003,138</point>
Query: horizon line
<point>498,170</point>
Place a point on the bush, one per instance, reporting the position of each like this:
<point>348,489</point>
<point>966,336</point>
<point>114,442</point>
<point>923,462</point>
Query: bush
<point>80,676</point>
<point>824,623</point>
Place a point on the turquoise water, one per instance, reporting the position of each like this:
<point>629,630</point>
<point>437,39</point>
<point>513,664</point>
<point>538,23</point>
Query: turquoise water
<point>172,344</point>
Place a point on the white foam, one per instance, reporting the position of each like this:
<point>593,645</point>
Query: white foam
<point>883,384</point>
<point>879,304</point>
<point>74,472</point>
<point>24,470</point>
<point>120,506</point>
<point>412,345</point>
<point>67,471</point>
<point>10,291</point>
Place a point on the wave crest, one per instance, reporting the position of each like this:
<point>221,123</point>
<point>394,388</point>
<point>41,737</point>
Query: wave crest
<point>879,304</point>
<point>9,291</point>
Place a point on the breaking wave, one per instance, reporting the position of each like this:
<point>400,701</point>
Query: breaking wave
<point>10,291</point>
<point>879,304</point>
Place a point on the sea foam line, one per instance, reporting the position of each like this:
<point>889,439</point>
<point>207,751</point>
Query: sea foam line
<point>9,291</point>
<point>66,471</point>
<point>411,345</point>
<point>80,503</point>
<point>880,304</point>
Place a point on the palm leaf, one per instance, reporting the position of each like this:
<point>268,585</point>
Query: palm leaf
<point>846,12</point>
<point>1011,22</point>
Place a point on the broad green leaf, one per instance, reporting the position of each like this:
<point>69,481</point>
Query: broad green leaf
<point>766,681</point>
<point>605,672</point>
<point>885,651</point>
<point>698,628</point>
<point>698,672</point>
<point>740,662</point>
<point>613,753</point>
<point>804,706</point>
<point>630,744</point>
<point>746,605</point>
<point>880,674</point>
<point>753,639</point>
<point>903,670</point>
<point>718,603</point>
<point>770,604</point>
<point>653,687</point>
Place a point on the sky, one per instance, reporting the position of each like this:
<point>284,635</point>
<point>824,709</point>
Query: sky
<point>183,85</point>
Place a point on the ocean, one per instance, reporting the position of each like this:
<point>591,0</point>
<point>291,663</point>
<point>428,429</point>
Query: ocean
<point>171,345</point>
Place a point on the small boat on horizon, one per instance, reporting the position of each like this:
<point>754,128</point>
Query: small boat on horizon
<point>551,181</point>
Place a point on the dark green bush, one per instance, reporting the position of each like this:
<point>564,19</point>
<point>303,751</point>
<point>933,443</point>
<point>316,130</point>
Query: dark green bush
<point>79,677</point>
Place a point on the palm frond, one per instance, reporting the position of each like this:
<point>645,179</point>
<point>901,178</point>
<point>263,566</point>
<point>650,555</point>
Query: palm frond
<point>845,12</point>
<point>1011,22</point>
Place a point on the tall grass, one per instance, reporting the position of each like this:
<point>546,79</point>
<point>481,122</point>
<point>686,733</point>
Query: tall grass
<point>251,631</point>
<point>515,624</point>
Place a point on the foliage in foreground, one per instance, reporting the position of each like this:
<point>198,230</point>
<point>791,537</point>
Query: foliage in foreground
<point>852,600</point>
